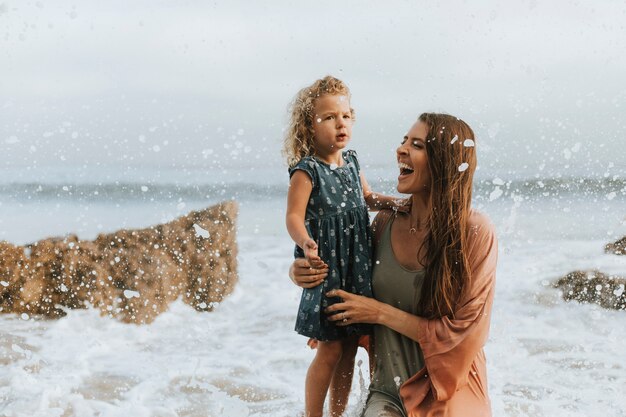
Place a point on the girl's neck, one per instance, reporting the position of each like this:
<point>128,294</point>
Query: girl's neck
<point>332,158</point>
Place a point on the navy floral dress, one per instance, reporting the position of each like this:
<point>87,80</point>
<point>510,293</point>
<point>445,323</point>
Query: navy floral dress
<point>337,219</point>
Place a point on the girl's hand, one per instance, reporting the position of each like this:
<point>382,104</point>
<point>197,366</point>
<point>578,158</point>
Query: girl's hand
<point>309,246</point>
<point>312,343</point>
<point>353,309</point>
<point>306,276</point>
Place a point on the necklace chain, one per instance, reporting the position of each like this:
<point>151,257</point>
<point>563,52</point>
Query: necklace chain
<point>413,229</point>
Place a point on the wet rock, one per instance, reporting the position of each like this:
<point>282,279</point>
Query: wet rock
<point>594,287</point>
<point>618,247</point>
<point>132,275</point>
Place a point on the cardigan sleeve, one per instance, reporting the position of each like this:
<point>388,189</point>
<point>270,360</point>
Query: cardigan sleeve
<point>450,344</point>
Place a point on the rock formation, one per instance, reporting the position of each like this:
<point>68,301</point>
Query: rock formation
<point>618,247</point>
<point>594,287</point>
<point>130,274</point>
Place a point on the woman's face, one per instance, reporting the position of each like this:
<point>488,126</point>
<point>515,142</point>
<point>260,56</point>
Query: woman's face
<point>414,175</point>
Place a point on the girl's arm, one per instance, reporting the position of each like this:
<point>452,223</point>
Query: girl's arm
<point>300,188</point>
<point>376,201</point>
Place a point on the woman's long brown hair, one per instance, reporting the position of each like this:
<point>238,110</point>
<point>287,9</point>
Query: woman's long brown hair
<point>451,154</point>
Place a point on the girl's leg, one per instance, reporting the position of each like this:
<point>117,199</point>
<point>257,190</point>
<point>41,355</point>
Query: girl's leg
<point>319,376</point>
<point>342,378</point>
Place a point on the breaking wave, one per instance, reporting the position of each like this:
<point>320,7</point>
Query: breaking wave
<point>484,190</point>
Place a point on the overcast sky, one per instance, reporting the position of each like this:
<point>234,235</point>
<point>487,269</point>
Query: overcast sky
<point>162,84</point>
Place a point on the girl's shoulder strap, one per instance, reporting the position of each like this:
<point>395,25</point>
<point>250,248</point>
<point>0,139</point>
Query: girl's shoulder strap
<point>350,156</point>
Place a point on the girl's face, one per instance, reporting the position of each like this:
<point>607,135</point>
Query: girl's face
<point>414,175</point>
<point>332,124</point>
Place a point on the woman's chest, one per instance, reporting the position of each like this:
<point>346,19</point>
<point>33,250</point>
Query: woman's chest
<point>396,286</point>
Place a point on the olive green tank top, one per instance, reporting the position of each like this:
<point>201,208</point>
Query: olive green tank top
<point>397,357</point>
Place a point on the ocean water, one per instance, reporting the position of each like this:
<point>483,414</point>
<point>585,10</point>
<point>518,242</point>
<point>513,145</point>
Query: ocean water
<point>545,357</point>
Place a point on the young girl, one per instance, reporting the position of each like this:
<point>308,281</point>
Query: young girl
<point>328,220</point>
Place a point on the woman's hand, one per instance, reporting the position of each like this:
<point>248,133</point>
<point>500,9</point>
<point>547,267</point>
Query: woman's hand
<point>306,276</point>
<point>353,309</point>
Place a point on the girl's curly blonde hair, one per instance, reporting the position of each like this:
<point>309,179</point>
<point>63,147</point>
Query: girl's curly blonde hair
<point>298,141</point>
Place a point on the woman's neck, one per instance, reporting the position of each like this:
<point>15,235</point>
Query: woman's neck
<point>420,211</point>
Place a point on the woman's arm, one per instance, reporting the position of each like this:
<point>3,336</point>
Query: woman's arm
<point>359,309</point>
<point>376,201</point>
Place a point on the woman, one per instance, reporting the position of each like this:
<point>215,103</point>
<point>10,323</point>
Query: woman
<point>433,281</point>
